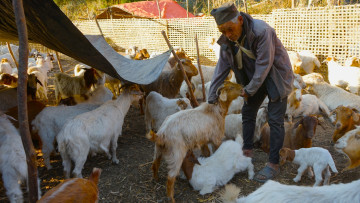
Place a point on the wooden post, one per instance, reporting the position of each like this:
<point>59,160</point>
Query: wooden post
<point>12,54</point>
<point>22,100</point>
<point>208,7</point>
<point>200,70</point>
<point>97,23</point>
<point>158,6</point>
<point>187,8</point>
<point>192,97</point>
<point>245,4</point>
<point>58,60</point>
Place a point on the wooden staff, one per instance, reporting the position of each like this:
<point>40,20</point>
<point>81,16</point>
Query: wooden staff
<point>12,54</point>
<point>194,103</point>
<point>58,60</point>
<point>200,70</point>
<point>22,98</point>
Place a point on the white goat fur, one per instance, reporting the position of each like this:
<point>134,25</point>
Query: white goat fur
<point>335,96</point>
<point>13,166</point>
<point>345,77</point>
<point>79,69</point>
<point>93,132</point>
<point>309,105</point>
<point>51,120</point>
<point>211,173</point>
<point>319,159</point>
<point>233,124</point>
<point>309,61</point>
<point>159,107</point>
<point>5,67</point>
<point>282,193</point>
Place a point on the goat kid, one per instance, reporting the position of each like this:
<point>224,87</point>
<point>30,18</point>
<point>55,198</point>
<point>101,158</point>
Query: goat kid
<point>205,174</point>
<point>316,157</point>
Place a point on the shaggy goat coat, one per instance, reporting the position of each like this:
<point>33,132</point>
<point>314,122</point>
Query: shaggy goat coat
<point>93,132</point>
<point>220,168</point>
<point>281,193</point>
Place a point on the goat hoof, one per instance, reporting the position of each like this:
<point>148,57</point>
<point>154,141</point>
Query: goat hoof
<point>115,161</point>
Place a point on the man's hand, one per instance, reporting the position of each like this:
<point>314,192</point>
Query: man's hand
<point>244,94</point>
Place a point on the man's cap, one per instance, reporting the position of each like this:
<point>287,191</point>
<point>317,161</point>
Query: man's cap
<point>224,13</point>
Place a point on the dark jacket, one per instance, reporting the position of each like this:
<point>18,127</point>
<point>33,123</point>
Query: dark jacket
<point>271,59</point>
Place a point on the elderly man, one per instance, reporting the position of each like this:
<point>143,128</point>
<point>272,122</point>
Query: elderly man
<point>251,49</point>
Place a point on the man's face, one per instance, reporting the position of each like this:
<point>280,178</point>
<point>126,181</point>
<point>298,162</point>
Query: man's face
<point>232,30</point>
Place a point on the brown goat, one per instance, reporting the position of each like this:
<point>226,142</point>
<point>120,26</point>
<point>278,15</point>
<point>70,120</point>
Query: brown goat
<point>34,108</point>
<point>346,119</point>
<point>75,190</point>
<point>8,80</point>
<point>141,55</point>
<point>298,135</point>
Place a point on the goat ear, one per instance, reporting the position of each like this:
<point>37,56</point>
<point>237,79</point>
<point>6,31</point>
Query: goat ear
<point>355,116</point>
<point>223,97</point>
<point>38,81</point>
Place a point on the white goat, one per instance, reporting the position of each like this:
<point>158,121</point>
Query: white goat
<point>309,61</point>
<point>316,157</point>
<point>5,66</point>
<point>295,61</point>
<point>51,120</point>
<point>79,69</point>
<point>214,46</point>
<point>94,131</point>
<point>233,124</point>
<point>304,105</point>
<point>189,129</point>
<point>347,78</point>
<point>13,166</point>
<point>219,168</point>
<point>331,95</point>
<point>282,193</point>
<point>159,107</point>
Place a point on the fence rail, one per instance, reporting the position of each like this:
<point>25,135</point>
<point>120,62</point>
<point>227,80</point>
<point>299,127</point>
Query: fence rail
<point>325,31</point>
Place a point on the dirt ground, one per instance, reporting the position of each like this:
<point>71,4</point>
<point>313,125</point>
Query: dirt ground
<point>131,180</point>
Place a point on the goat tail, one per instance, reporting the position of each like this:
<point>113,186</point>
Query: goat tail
<point>332,166</point>
<point>229,194</point>
<point>152,136</point>
<point>95,175</point>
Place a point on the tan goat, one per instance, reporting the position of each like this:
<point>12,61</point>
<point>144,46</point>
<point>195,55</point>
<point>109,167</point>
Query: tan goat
<point>346,119</point>
<point>189,129</point>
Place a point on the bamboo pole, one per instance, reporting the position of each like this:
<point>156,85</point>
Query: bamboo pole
<point>187,8</point>
<point>12,54</point>
<point>97,24</point>
<point>200,70</point>
<point>158,7</point>
<point>194,103</point>
<point>245,4</point>
<point>22,98</point>
<point>58,60</point>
